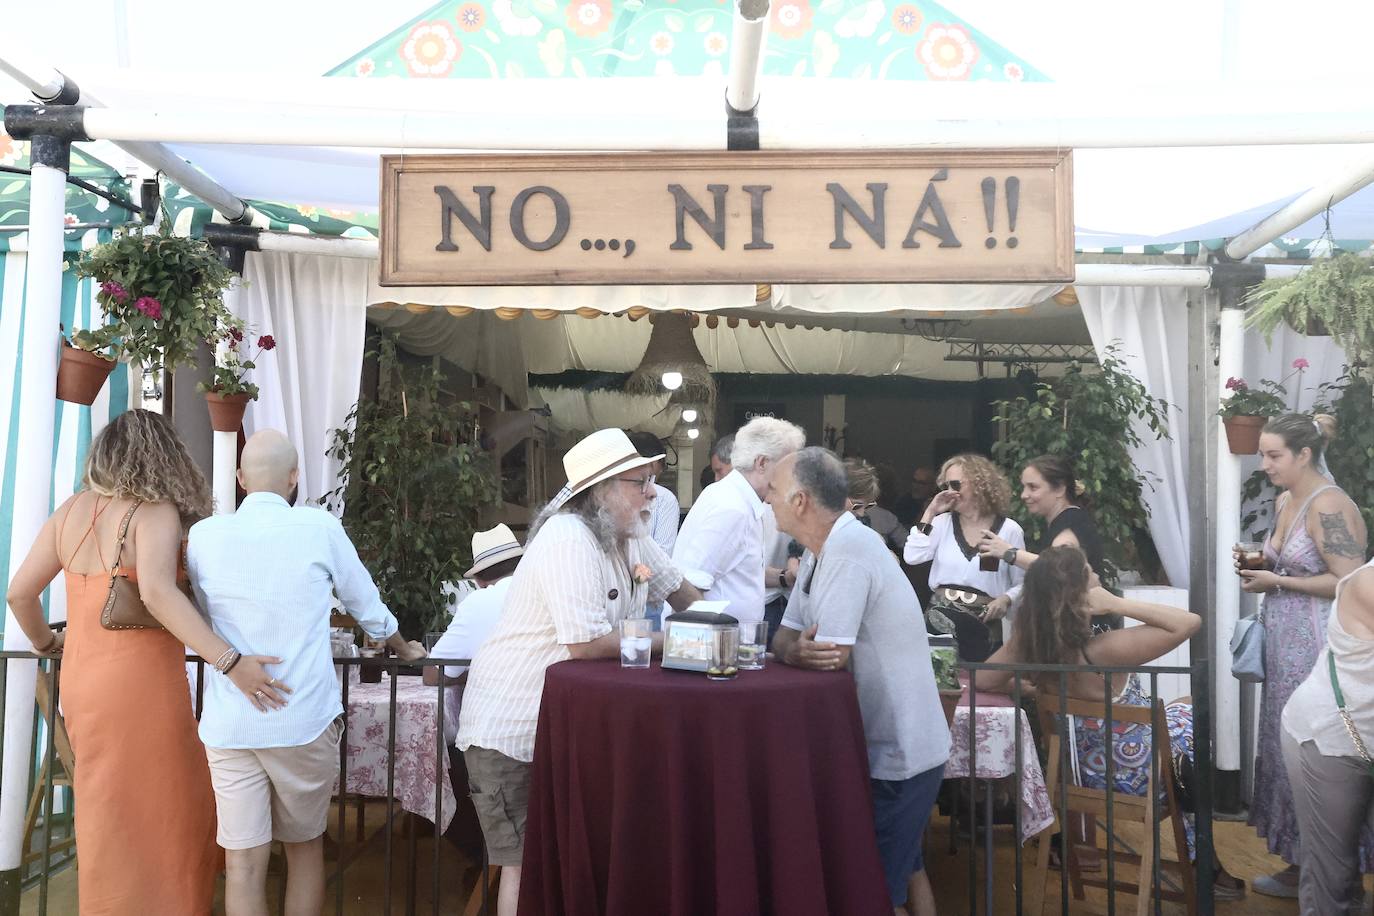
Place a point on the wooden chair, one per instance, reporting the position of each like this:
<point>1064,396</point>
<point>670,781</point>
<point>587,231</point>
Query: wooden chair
<point>1126,809</point>
<point>64,770</point>
<point>492,879</point>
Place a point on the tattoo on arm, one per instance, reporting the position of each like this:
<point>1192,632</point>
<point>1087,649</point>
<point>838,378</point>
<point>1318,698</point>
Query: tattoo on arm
<point>1337,540</point>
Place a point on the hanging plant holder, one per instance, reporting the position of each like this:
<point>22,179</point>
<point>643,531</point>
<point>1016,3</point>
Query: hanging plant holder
<point>226,410</point>
<point>81,374</point>
<point>1331,297</point>
<point>672,348</point>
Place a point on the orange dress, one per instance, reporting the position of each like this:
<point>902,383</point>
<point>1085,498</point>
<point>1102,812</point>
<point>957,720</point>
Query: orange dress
<point>145,809</point>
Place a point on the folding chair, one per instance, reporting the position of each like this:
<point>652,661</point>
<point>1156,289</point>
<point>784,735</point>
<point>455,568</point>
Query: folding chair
<point>1126,809</point>
<point>63,772</point>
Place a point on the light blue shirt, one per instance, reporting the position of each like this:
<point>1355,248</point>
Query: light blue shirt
<point>265,577</point>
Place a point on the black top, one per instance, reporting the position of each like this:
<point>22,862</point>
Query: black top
<point>1081,523</point>
<point>908,509</point>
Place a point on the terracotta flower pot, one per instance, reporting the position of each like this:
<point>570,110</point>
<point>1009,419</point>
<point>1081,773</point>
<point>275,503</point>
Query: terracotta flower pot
<point>1243,434</point>
<point>226,410</point>
<point>81,374</point>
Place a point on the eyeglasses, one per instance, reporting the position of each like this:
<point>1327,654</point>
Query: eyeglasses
<point>856,506</point>
<point>645,484</point>
<point>954,485</point>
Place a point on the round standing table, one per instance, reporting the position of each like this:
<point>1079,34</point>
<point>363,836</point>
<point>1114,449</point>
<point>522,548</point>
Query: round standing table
<point>658,791</point>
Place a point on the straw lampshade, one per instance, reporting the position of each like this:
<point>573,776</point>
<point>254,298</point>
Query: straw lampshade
<point>673,349</point>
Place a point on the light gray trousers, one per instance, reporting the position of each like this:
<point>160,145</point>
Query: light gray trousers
<point>1333,798</point>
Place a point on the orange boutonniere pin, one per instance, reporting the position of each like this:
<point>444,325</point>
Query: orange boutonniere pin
<point>642,573</point>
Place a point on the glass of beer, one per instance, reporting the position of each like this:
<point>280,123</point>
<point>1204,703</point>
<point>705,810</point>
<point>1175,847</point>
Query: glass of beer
<point>1250,555</point>
<point>988,564</point>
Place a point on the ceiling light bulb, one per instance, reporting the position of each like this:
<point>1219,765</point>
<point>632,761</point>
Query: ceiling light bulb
<point>689,415</point>
<point>693,433</point>
<point>672,380</point>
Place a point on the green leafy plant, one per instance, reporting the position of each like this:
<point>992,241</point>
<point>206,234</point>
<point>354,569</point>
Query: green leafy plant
<point>231,369</point>
<point>1090,417</point>
<point>1350,456</point>
<point>1267,400</point>
<point>413,483</point>
<point>162,295</point>
<point>1337,293</point>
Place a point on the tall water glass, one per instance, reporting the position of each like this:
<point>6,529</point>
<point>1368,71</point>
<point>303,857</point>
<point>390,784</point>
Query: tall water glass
<point>636,643</point>
<point>724,654</point>
<point>753,643</point>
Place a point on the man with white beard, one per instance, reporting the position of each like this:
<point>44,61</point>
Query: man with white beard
<point>589,563</point>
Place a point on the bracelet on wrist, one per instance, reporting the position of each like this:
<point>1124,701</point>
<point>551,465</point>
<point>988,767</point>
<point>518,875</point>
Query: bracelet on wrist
<point>232,662</point>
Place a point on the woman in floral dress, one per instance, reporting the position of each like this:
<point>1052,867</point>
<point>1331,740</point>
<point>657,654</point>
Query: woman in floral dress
<point>1318,538</point>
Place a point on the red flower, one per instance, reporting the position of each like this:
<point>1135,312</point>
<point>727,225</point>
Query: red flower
<point>1236,384</point>
<point>114,291</point>
<point>150,307</point>
<point>266,342</point>
<point>236,335</point>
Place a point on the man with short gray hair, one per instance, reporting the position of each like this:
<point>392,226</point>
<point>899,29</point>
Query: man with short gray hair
<point>720,547</point>
<point>852,609</point>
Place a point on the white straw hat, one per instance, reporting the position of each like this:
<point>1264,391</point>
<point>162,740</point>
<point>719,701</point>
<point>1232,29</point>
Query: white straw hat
<point>601,455</point>
<point>492,547</point>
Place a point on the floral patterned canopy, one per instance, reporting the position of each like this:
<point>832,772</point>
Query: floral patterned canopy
<point>855,39</point>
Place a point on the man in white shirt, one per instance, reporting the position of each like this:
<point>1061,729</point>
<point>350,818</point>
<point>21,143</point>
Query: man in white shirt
<point>664,512</point>
<point>495,556</point>
<point>265,577</point>
<point>720,547</point>
<point>589,564</point>
<point>851,609</point>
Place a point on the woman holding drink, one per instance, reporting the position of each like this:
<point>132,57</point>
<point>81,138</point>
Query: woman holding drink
<point>1317,539</point>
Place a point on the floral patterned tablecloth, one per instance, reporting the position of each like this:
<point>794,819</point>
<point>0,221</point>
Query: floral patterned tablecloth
<point>416,738</point>
<point>995,734</point>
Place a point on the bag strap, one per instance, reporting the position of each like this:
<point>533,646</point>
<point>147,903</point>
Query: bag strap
<point>1345,716</point>
<point>123,532</point>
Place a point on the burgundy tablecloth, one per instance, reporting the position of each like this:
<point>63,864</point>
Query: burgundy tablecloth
<point>660,792</point>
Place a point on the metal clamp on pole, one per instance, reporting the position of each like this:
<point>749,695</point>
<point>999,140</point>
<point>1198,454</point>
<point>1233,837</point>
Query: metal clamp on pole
<point>746,65</point>
<point>232,243</point>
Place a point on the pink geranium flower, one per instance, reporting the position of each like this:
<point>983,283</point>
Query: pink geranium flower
<point>114,291</point>
<point>150,307</point>
<point>1301,363</point>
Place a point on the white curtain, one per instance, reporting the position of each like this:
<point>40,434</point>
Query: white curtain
<point>315,309</point>
<point>1151,322</point>
<point>579,412</point>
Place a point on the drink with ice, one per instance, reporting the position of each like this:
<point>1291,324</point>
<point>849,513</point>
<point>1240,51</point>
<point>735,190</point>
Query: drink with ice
<point>636,643</point>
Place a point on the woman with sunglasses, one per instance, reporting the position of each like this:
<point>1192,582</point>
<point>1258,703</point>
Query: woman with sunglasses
<point>969,591</point>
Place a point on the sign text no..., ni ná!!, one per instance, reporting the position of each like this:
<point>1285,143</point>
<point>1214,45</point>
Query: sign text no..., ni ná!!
<point>978,216</point>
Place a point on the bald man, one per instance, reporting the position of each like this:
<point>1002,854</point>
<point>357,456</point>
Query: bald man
<point>266,576</point>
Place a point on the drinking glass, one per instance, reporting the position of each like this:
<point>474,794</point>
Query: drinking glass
<point>724,654</point>
<point>370,673</point>
<point>636,643</point>
<point>1251,555</point>
<point>753,643</point>
<point>988,564</point>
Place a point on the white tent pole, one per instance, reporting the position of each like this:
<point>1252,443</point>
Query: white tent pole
<point>427,130</point>
<point>746,54</point>
<point>48,84</point>
<point>33,477</point>
<point>224,462</point>
<point>1226,708</point>
<point>1299,211</point>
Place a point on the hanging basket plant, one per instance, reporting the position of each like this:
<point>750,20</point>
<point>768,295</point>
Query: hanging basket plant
<point>163,295</point>
<point>1333,296</point>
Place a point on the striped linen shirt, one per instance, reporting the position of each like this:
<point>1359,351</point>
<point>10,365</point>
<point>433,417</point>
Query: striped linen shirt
<point>265,577</point>
<point>567,590</point>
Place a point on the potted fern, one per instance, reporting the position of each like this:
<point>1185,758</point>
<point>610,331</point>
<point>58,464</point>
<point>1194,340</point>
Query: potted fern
<point>1246,411</point>
<point>1334,296</point>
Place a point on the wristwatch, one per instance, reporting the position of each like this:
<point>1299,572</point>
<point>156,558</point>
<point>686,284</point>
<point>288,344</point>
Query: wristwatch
<point>1009,557</point>
<point>782,578</point>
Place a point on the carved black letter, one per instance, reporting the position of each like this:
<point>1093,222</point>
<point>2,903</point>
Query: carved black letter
<point>560,217</point>
<point>450,206</point>
<point>875,225</point>
<point>756,192</point>
<point>941,228</point>
<point>684,206</point>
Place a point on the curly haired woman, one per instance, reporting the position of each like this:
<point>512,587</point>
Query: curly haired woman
<point>969,592</point>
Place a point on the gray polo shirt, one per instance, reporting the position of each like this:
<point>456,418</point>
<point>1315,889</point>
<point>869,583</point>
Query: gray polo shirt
<point>858,596</point>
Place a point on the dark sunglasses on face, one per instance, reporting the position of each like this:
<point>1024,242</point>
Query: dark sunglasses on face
<point>954,485</point>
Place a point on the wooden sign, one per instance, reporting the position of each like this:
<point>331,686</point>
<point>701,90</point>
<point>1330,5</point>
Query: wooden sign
<point>727,217</point>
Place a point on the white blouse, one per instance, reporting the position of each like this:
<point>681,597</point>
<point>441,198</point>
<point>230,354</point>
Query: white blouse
<point>953,562</point>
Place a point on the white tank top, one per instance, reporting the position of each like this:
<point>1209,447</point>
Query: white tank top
<point>1311,712</point>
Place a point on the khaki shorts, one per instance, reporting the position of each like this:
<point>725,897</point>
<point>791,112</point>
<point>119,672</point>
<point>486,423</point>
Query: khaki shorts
<point>274,793</point>
<point>500,789</point>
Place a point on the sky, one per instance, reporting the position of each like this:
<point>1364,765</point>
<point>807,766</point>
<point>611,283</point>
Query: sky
<point>1212,54</point>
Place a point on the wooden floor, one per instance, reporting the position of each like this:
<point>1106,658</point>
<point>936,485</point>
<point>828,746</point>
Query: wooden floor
<point>1237,847</point>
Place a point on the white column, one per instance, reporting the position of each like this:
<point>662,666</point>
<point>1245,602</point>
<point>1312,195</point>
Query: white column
<point>687,468</point>
<point>226,445</point>
<point>33,480</point>
<point>1226,709</point>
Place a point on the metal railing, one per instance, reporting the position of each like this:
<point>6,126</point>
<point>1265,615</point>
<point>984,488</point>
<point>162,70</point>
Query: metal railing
<point>1024,891</point>
<point>37,876</point>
